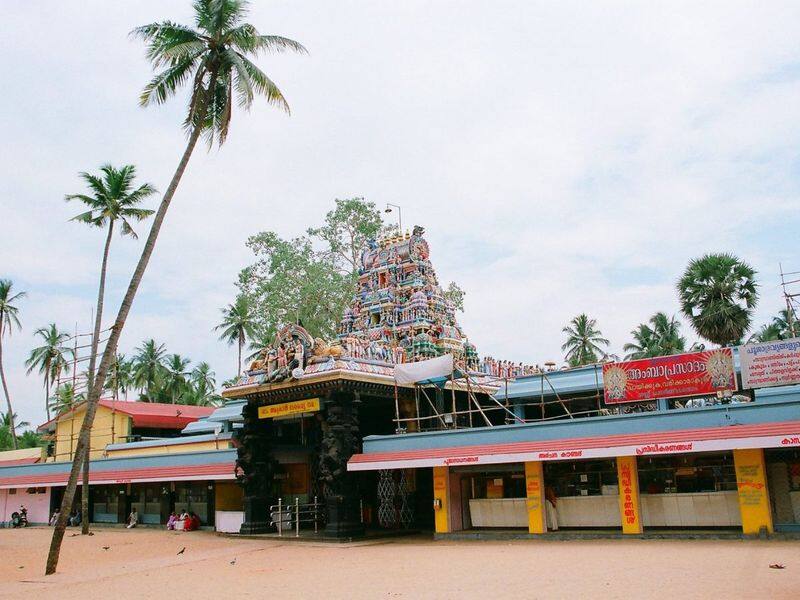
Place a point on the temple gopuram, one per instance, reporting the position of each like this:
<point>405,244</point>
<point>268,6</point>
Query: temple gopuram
<point>310,402</point>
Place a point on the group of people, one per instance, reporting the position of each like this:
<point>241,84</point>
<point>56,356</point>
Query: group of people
<point>187,521</point>
<point>75,518</point>
<point>506,368</point>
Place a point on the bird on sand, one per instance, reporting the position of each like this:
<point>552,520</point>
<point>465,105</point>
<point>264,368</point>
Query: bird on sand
<point>182,550</point>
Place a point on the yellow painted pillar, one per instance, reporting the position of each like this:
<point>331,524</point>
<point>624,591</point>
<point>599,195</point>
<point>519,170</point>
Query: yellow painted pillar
<point>751,481</point>
<point>441,498</point>
<point>630,507</point>
<point>534,486</point>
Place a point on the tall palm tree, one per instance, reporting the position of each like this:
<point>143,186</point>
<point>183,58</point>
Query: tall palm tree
<point>51,358</point>
<point>175,384</point>
<point>120,376</point>
<point>113,199</point>
<point>9,318</point>
<point>238,324</point>
<point>662,339</point>
<point>64,399</point>
<point>149,369</point>
<point>718,294</point>
<point>214,55</point>
<point>203,388</point>
<point>583,341</point>
<point>11,422</point>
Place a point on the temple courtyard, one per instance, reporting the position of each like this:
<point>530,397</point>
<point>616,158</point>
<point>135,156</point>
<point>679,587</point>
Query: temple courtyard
<point>143,563</point>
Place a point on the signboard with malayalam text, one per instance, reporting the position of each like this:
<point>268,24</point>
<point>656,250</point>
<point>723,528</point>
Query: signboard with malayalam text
<point>770,363</point>
<point>676,376</point>
<point>272,411</point>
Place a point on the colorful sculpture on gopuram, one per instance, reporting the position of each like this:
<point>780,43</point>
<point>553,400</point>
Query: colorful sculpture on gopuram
<point>399,313</point>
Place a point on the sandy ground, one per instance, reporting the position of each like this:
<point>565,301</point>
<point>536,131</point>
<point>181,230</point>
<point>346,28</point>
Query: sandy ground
<point>144,563</point>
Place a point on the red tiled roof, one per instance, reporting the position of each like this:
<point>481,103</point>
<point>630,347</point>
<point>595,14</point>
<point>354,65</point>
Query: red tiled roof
<point>222,470</point>
<point>150,414</point>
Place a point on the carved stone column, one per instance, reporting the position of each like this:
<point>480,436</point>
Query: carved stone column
<point>340,440</point>
<point>255,471</point>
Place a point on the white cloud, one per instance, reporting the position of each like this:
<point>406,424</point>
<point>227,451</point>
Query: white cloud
<point>563,157</point>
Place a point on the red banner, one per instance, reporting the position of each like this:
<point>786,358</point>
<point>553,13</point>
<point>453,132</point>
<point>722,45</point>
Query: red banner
<point>694,374</point>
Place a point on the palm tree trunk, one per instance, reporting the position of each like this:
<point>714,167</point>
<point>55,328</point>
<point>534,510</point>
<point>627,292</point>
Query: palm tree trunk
<point>116,332</point>
<point>5,390</point>
<point>98,320</point>
<point>241,343</point>
<point>47,394</point>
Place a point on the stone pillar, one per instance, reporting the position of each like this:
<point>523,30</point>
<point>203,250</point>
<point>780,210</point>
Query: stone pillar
<point>534,488</point>
<point>340,440</point>
<point>441,499</point>
<point>630,508</point>
<point>255,471</point>
<point>751,482</point>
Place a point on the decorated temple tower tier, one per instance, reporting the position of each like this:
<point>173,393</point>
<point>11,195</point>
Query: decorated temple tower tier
<point>399,311</point>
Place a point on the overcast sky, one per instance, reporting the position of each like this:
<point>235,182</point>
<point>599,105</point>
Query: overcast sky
<point>563,157</point>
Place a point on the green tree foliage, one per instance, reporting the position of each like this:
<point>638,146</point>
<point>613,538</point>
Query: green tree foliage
<point>167,378</point>
<point>310,279</point>
<point>584,341</point>
<point>148,369</point>
<point>51,358</point>
<point>291,282</point>
<point>65,398</point>
<point>718,294</point>
<point>661,337</point>
<point>778,329</point>
<point>238,325</point>
<point>346,230</point>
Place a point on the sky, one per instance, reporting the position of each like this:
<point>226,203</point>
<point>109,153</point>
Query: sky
<point>564,157</point>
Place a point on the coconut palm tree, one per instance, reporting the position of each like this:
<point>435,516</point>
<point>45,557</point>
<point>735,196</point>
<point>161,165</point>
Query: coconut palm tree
<point>148,368</point>
<point>51,358</point>
<point>120,376</point>
<point>12,423</point>
<point>203,386</point>
<point>214,56</point>
<point>9,318</point>
<point>65,398</point>
<point>238,324</point>
<point>718,294</point>
<point>662,339</point>
<point>113,198</point>
<point>583,341</point>
<point>175,383</point>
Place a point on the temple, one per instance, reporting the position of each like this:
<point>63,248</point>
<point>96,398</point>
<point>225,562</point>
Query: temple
<point>397,424</point>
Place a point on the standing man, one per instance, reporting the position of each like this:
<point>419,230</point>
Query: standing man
<point>550,508</point>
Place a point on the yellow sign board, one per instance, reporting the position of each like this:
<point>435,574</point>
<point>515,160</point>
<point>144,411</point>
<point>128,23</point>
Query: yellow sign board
<point>288,408</point>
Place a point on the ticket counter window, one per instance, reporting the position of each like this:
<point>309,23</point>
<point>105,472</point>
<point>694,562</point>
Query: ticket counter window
<point>687,474</point>
<point>585,478</point>
<point>498,485</point>
<point>689,490</point>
